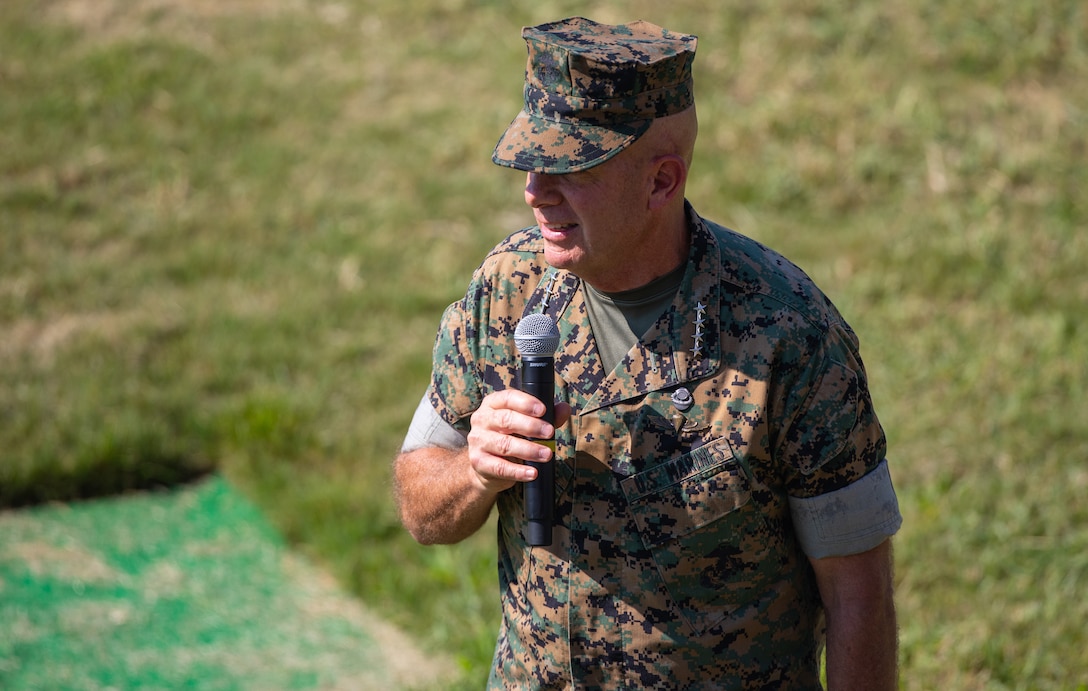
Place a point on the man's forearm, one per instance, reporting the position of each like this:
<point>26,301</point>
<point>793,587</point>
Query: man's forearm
<point>439,503</point>
<point>862,648</point>
<point>862,640</point>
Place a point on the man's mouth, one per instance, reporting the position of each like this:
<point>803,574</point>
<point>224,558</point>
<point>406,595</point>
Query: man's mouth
<point>557,229</point>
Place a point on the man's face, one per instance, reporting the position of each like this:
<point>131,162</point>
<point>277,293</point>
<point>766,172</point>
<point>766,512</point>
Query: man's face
<point>594,222</point>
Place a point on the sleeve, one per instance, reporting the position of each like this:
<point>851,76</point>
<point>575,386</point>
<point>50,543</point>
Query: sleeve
<point>850,520</point>
<point>831,450</point>
<point>827,432</point>
<point>474,351</point>
<point>429,429</point>
<point>455,390</point>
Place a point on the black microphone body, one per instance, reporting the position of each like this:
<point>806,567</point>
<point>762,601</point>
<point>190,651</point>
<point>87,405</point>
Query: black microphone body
<point>537,338</point>
<point>538,379</point>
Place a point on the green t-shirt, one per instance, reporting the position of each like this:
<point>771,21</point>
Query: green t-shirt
<point>620,319</point>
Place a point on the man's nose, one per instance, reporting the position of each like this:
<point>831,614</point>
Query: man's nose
<point>540,190</point>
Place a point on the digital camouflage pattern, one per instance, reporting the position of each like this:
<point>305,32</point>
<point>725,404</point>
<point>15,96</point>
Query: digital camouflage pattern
<point>674,562</point>
<point>592,89</point>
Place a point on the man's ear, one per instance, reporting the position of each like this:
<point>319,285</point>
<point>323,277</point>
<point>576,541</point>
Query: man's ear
<point>671,173</point>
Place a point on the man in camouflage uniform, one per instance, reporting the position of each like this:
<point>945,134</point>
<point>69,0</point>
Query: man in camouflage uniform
<point>722,496</point>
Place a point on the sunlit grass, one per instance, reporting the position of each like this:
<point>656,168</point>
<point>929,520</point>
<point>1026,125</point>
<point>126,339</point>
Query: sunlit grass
<point>227,232</point>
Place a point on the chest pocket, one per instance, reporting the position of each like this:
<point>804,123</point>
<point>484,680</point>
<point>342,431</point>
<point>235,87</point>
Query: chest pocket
<point>709,540</point>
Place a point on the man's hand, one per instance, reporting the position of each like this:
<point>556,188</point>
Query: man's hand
<point>446,495</point>
<point>499,438</point>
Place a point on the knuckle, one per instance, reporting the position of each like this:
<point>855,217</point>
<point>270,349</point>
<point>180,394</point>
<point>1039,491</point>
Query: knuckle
<point>504,445</point>
<point>505,419</point>
<point>501,470</point>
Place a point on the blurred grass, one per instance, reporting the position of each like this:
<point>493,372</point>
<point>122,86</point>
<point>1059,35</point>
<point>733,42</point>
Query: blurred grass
<point>227,231</point>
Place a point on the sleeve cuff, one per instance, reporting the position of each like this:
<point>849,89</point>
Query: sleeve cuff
<point>850,520</point>
<point>429,429</point>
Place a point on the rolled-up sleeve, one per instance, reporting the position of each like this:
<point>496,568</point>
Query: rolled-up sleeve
<point>429,429</point>
<point>850,520</point>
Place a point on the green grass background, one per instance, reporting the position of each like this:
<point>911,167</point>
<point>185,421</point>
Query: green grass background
<point>228,229</point>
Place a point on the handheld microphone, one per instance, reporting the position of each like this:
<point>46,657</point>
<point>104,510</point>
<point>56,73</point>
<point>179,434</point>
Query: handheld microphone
<point>536,338</point>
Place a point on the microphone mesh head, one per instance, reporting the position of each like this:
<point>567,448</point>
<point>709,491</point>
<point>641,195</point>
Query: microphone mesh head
<point>536,334</point>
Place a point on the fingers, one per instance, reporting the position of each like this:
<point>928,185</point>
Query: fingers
<point>499,473</point>
<point>500,438</point>
<point>512,412</point>
<point>495,459</point>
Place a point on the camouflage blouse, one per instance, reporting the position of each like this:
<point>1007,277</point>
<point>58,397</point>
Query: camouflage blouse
<point>675,563</point>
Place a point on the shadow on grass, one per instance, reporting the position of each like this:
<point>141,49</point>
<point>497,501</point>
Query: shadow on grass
<point>101,478</point>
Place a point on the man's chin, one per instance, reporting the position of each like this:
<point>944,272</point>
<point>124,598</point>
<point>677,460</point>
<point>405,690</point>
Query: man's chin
<point>560,258</point>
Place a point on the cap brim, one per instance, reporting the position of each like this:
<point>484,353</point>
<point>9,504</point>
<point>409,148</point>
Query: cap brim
<point>544,146</point>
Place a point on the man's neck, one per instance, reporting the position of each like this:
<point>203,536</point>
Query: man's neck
<point>668,252</point>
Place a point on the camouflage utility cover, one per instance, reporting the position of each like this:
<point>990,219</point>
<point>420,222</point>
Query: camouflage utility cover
<point>592,89</point>
<point>675,563</point>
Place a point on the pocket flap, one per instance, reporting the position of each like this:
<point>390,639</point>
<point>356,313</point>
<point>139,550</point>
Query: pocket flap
<point>686,493</point>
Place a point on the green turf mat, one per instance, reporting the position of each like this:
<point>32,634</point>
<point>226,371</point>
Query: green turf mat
<point>182,589</point>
